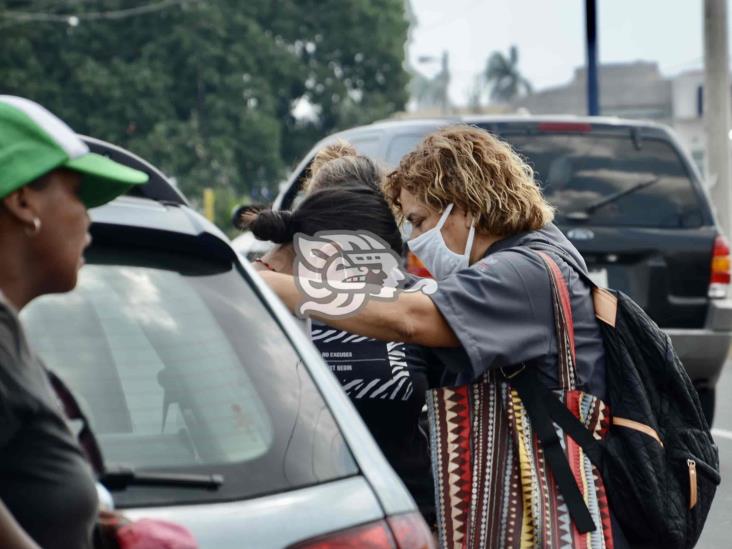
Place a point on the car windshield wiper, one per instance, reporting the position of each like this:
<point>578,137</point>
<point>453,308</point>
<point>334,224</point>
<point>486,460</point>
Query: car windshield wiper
<point>119,478</point>
<point>584,213</point>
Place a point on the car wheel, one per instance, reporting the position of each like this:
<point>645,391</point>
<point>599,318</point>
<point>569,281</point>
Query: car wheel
<point>707,397</point>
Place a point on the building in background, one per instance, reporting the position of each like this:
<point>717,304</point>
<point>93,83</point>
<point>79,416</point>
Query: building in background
<point>634,90</point>
<point>630,90</point>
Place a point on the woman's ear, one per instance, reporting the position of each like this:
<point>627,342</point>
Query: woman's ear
<point>466,218</point>
<point>22,205</point>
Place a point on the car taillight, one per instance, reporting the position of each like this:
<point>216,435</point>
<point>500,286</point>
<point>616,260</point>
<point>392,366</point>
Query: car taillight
<point>411,532</point>
<point>416,267</point>
<point>720,278</point>
<point>408,531</point>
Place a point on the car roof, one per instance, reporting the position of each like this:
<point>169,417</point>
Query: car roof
<point>156,205</point>
<point>513,119</point>
<point>159,186</point>
<point>155,214</point>
<point>145,213</point>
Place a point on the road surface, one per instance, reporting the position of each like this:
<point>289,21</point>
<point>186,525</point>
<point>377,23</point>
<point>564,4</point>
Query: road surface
<point>718,531</point>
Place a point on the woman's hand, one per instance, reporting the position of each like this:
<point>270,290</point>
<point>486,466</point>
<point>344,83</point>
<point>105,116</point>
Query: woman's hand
<point>411,317</point>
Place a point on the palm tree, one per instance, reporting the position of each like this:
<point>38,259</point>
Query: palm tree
<point>503,76</point>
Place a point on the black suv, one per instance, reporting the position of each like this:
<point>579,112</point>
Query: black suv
<point>631,201</point>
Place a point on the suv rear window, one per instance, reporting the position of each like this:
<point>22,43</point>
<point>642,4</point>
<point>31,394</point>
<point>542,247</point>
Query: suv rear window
<point>181,368</point>
<point>607,180</point>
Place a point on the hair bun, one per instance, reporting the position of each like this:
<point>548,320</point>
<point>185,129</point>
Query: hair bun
<point>275,226</point>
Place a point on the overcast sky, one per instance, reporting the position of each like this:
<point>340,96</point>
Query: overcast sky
<point>550,36</point>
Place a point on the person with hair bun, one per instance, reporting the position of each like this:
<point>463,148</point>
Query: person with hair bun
<point>478,218</point>
<point>339,164</point>
<point>349,208</point>
<point>386,381</point>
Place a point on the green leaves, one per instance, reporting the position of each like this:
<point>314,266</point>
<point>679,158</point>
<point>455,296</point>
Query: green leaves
<point>205,89</point>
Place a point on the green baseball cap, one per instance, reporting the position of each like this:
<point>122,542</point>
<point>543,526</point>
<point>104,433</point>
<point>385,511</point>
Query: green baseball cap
<point>33,142</point>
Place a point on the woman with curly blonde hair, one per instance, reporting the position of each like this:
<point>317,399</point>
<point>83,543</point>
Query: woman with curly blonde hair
<point>510,305</point>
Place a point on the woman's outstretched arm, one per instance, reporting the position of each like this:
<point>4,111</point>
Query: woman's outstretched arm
<point>411,317</point>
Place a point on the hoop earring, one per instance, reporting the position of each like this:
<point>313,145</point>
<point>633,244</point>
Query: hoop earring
<point>36,228</point>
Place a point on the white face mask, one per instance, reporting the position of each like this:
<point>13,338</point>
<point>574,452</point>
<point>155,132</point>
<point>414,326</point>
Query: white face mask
<point>431,249</point>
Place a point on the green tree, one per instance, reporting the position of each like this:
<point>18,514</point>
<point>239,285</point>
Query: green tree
<point>206,89</point>
<point>504,78</point>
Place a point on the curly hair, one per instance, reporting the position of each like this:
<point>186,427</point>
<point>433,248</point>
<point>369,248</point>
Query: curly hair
<point>339,164</point>
<point>477,172</point>
<point>339,149</point>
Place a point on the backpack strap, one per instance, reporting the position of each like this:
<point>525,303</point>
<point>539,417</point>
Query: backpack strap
<point>564,325</point>
<point>605,301</point>
<point>563,320</point>
<point>542,246</point>
<point>557,410</point>
<point>544,408</point>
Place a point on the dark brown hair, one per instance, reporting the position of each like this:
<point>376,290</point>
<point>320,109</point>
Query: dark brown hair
<point>349,208</point>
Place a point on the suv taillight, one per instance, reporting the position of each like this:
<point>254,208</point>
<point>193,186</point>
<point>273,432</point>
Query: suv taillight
<point>416,267</point>
<point>720,278</point>
<point>407,531</point>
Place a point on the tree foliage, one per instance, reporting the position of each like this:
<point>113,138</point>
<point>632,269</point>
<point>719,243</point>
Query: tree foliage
<point>205,89</point>
<point>504,78</point>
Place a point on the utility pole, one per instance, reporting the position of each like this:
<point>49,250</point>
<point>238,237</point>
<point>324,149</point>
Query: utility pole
<point>717,108</point>
<point>593,91</point>
<point>442,80</point>
<point>445,72</point>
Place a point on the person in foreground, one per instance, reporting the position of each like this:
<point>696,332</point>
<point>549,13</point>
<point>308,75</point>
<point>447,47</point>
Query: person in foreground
<point>478,216</point>
<point>48,180</point>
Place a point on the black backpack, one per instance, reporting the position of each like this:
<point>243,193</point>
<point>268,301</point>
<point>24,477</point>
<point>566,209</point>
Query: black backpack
<point>659,462</point>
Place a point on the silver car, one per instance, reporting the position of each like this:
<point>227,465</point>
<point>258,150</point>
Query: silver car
<point>211,406</point>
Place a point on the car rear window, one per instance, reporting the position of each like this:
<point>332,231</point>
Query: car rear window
<point>400,145</point>
<point>181,368</point>
<point>608,180</point>
<point>367,145</point>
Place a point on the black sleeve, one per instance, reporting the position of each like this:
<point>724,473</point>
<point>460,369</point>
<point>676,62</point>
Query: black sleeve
<point>500,309</point>
<point>9,365</point>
